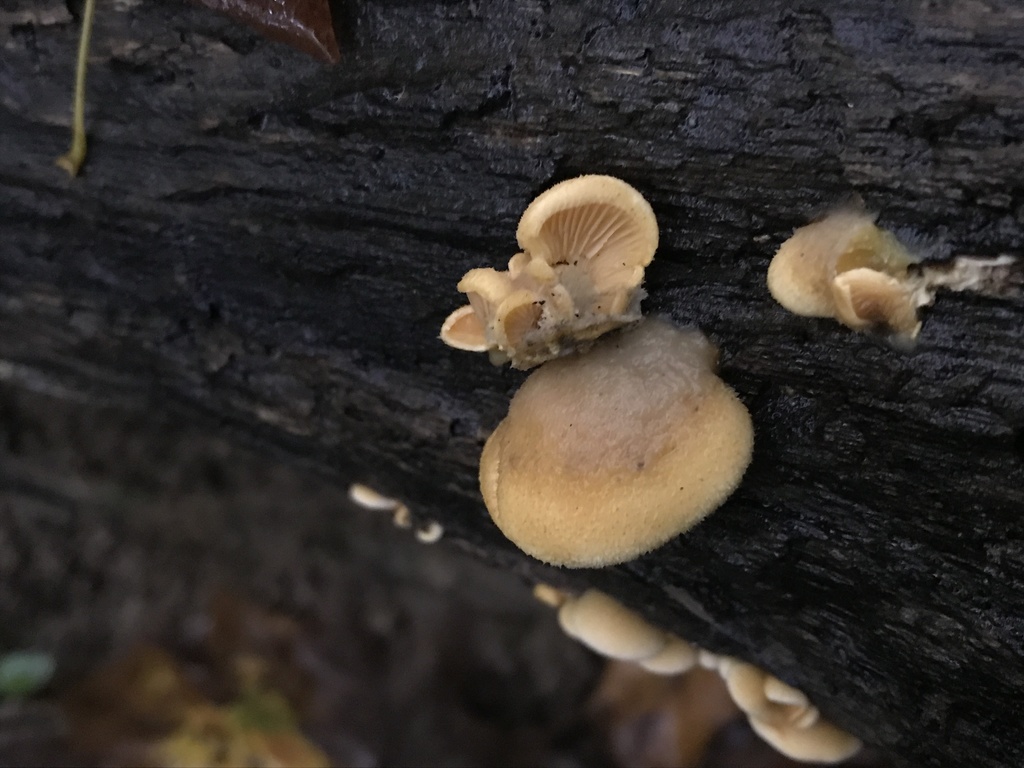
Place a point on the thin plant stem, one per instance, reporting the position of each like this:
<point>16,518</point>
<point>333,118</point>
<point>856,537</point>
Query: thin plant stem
<point>72,161</point>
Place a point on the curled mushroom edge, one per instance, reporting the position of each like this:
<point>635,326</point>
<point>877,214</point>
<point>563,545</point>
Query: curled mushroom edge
<point>585,244</point>
<point>846,267</point>
<point>779,713</point>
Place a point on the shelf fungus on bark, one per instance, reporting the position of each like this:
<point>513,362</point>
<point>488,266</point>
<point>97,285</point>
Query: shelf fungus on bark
<point>585,243</point>
<point>607,455</point>
<point>609,628</point>
<point>846,267</point>
<point>782,716</point>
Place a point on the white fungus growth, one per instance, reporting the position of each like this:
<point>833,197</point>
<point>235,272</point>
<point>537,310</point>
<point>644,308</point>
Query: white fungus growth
<point>609,628</point>
<point>783,716</point>
<point>430,533</point>
<point>402,517</point>
<point>367,498</point>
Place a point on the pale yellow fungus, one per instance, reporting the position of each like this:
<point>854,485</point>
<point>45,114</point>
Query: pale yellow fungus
<point>820,742</point>
<point>463,330</point>
<point>845,266</point>
<point>605,456</point>
<point>549,595</point>
<point>402,517</point>
<point>609,628</point>
<point>784,717</point>
<point>864,298</point>
<point>712,661</point>
<point>430,533</point>
<point>367,498</point>
<point>676,657</point>
<point>765,697</point>
<point>586,242</point>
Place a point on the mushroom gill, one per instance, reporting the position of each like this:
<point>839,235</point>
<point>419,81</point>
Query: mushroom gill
<point>585,243</point>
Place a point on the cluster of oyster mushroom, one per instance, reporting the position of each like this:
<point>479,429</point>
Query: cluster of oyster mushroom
<point>585,244</point>
<point>777,712</point>
<point>604,455</point>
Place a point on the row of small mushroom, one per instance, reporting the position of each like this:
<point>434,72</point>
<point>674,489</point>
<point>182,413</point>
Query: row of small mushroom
<point>401,516</point>
<point>777,712</point>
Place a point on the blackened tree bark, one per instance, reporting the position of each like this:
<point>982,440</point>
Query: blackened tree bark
<point>269,246</point>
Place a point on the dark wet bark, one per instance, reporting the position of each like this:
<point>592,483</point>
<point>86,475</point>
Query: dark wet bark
<point>268,246</point>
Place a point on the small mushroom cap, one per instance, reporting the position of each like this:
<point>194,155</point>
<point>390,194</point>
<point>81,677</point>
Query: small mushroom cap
<point>765,697</point>
<point>800,275</point>
<point>746,686</point>
<point>607,455</point>
<point>430,533</point>
<point>822,742</point>
<point>463,330</point>
<point>781,693</point>
<point>609,628</point>
<point>865,298</point>
<point>586,242</point>
<point>676,657</point>
<point>590,218</point>
<point>402,518</point>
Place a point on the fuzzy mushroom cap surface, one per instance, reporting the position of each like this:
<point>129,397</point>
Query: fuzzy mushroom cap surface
<point>607,455</point>
<point>608,627</point>
<point>801,273</point>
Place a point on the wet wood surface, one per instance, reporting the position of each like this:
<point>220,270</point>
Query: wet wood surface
<point>267,246</point>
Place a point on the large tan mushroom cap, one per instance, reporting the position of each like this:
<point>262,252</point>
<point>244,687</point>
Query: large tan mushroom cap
<point>821,742</point>
<point>608,627</point>
<point>605,456</point>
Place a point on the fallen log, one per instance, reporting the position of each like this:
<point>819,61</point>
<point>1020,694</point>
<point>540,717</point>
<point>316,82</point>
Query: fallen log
<point>268,246</point>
